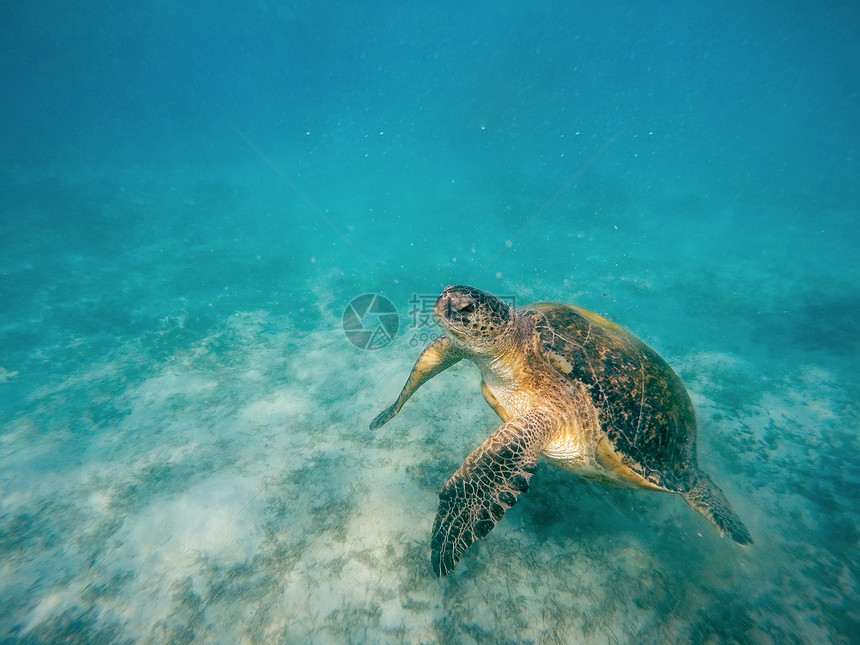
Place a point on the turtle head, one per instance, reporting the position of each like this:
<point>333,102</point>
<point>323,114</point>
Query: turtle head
<point>477,320</point>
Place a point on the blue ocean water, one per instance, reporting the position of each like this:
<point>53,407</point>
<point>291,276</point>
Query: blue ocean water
<point>192,196</point>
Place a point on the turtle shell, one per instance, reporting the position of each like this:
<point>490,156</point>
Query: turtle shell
<point>645,411</point>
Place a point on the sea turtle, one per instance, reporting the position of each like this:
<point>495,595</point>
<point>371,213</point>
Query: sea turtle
<point>572,386</point>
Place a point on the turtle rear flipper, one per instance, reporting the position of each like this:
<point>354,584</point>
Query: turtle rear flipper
<point>706,497</point>
<point>485,486</point>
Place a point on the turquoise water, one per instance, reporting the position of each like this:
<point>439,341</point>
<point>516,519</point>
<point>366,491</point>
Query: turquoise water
<point>192,197</point>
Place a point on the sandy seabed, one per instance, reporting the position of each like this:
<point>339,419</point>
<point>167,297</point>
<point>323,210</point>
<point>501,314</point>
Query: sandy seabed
<point>217,481</point>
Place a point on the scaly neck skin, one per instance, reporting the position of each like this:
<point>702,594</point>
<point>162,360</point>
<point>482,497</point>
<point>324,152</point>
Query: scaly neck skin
<point>503,371</point>
<point>501,362</point>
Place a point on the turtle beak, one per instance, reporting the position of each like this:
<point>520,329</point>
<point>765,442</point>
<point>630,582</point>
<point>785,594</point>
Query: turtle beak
<point>453,304</point>
<point>443,306</point>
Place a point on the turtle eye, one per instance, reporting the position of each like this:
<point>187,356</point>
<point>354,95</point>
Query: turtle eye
<point>468,308</point>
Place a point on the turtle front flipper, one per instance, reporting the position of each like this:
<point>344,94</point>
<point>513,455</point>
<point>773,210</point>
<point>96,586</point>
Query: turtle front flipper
<point>439,356</point>
<point>709,500</point>
<point>485,486</point>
